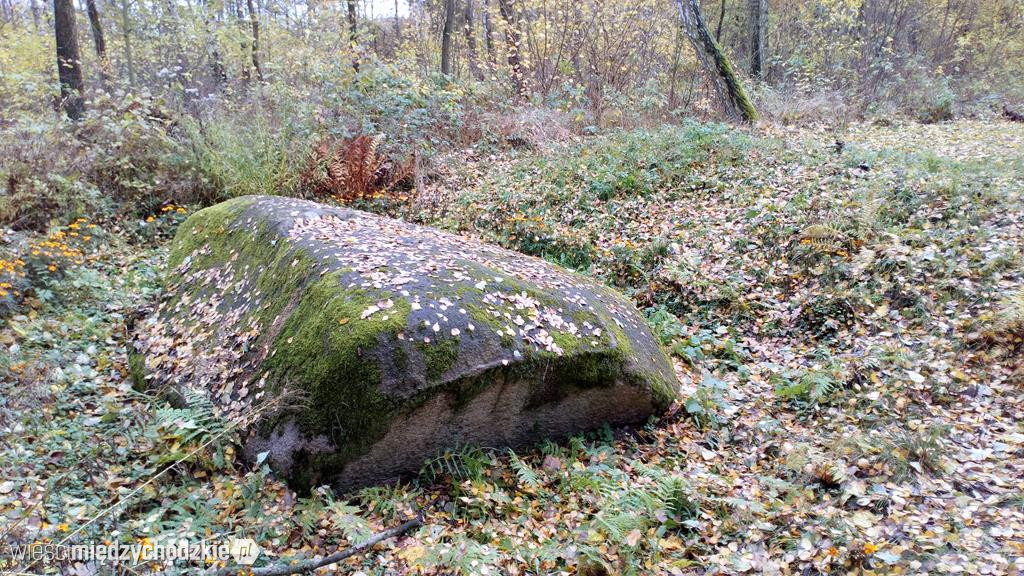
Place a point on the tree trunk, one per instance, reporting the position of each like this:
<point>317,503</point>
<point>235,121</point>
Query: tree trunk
<point>254,24</point>
<point>398,27</point>
<point>217,70</point>
<point>352,32</point>
<point>512,39</point>
<point>474,65</point>
<point>721,19</point>
<point>446,37</point>
<point>69,67</point>
<point>757,10</point>
<point>676,49</point>
<point>489,36</point>
<point>98,41</point>
<point>180,61</point>
<point>35,14</point>
<point>730,91</point>
<point>246,62</point>
<point>129,61</point>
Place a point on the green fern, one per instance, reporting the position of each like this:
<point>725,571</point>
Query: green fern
<point>460,464</point>
<point>180,431</point>
<point>355,528</point>
<point>463,556</point>
<point>527,476</point>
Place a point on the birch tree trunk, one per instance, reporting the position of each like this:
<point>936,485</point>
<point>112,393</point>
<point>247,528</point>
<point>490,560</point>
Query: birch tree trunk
<point>217,70</point>
<point>35,14</point>
<point>492,60</point>
<point>353,32</point>
<point>126,33</point>
<point>254,25</point>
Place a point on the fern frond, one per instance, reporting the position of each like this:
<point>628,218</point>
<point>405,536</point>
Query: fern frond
<point>870,210</point>
<point>823,237</point>
<point>463,463</point>
<point>527,476</point>
<point>355,528</point>
<point>1009,317</point>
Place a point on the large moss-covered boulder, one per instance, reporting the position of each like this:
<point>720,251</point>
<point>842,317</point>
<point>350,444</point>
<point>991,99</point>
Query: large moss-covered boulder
<point>365,345</point>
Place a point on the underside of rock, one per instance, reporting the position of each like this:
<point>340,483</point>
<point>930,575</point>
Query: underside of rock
<point>354,346</point>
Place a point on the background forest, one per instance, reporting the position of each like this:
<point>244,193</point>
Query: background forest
<point>818,205</point>
<point>234,97</point>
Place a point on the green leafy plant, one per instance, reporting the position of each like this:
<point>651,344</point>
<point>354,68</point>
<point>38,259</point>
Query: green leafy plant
<point>526,475</point>
<point>459,464</point>
<point>706,405</point>
<point>195,427</point>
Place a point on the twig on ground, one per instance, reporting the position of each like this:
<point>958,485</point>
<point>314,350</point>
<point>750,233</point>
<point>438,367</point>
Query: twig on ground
<point>313,564</point>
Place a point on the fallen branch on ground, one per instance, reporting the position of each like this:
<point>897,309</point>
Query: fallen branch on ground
<point>313,564</point>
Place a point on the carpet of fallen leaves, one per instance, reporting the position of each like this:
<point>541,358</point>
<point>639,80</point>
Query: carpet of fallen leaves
<point>844,309</point>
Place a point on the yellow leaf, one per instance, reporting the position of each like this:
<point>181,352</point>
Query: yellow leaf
<point>412,554</point>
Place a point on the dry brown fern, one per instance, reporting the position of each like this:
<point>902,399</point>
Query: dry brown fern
<point>354,169</point>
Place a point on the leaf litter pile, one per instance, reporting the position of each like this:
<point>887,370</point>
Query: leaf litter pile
<point>846,314</point>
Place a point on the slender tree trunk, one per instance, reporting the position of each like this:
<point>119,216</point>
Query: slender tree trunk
<point>180,61</point>
<point>446,37</point>
<point>69,66</point>
<point>254,25</point>
<point>676,49</point>
<point>217,70</point>
<point>721,19</point>
<point>474,64</point>
<point>730,91</point>
<point>129,60</point>
<point>757,10</point>
<point>245,38</point>
<point>98,41</point>
<point>398,27</point>
<point>492,58</point>
<point>34,6</point>
<point>353,32</point>
<point>508,14</point>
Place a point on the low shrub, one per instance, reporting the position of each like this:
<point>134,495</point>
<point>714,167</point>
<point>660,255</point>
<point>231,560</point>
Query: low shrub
<point>127,157</point>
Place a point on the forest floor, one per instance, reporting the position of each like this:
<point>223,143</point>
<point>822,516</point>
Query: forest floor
<point>846,317</point>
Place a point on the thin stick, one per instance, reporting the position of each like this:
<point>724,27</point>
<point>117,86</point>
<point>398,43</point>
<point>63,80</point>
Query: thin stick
<point>310,565</point>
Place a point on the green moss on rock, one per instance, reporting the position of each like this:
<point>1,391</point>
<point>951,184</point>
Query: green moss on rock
<point>205,228</point>
<point>284,297</point>
<point>326,351</point>
<point>440,356</point>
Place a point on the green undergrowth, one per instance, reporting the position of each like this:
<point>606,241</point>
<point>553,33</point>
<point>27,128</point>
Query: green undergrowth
<point>546,204</point>
<point>835,310</point>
